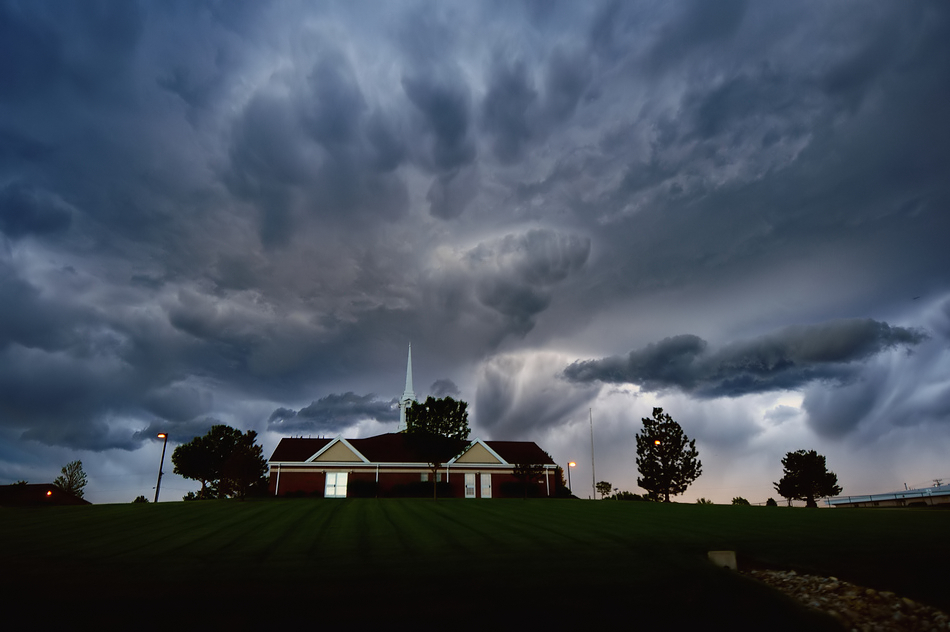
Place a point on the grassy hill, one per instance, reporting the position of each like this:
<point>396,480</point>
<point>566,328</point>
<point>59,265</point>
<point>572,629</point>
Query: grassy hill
<point>536,562</point>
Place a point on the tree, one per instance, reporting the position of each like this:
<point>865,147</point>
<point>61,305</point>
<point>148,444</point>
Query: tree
<point>245,469</point>
<point>192,460</point>
<point>666,458</point>
<point>771,503</point>
<point>528,473</point>
<point>603,488</point>
<point>434,475</point>
<point>73,479</point>
<point>139,500</point>
<point>806,477</point>
<point>739,500</point>
<point>225,460</point>
<point>703,501</point>
<point>446,417</point>
<point>786,489</point>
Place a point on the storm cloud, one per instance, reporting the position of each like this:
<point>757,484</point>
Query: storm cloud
<point>333,413</point>
<point>788,359</point>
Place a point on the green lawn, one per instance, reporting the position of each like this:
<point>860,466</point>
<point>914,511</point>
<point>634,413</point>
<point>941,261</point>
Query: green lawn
<point>536,562</point>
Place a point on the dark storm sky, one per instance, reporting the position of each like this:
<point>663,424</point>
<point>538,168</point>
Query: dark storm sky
<point>242,213</point>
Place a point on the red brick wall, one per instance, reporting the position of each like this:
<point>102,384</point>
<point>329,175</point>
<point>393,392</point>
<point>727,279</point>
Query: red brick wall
<point>314,482</point>
<point>296,482</point>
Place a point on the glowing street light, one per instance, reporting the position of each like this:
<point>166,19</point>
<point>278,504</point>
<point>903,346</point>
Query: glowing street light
<point>161,464</point>
<point>569,466</point>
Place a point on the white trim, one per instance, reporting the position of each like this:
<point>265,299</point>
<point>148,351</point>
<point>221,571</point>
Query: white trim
<point>471,445</point>
<point>335,441</point>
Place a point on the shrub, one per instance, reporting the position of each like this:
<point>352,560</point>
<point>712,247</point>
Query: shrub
<point>140,499</point>
<point>421,489</point>
<point>630,496</point>
<point>703,501</point>
<point>516,489</point>
<point>361,489</point>
<point>771,503</point>
<point>739,500</point>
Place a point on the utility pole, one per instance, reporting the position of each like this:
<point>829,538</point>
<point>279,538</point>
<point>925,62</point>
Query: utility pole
<point>593,477</point>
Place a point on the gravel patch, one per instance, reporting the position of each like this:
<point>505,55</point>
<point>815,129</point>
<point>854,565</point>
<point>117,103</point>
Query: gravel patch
<point>855,607</point>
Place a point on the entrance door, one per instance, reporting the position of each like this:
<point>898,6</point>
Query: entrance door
<point>486,485</point>
<point>336,485</point>
<point>470,485</point>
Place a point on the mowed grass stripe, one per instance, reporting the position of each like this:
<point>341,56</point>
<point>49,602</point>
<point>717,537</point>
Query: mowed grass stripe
<point>606,543</point>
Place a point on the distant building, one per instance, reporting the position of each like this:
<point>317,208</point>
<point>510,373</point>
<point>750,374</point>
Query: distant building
<point>37,495</point>
<point>937,495</point>
<point>400,464</point>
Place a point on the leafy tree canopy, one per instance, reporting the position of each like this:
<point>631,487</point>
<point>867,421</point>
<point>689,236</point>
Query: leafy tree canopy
<point>73,479</point>
<point>528,473</point>
<point>806,477</point>
<point>446,417</point>
<point>666,458</point>
<point>226,461</point>
<point>739,500</point>
<point>604,488</point>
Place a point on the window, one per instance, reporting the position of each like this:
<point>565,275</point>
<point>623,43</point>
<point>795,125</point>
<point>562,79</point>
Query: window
<point>336,485</point>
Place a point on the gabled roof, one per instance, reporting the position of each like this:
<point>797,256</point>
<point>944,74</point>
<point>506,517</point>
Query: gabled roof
<point>339,450</point>
<point>386,448</point>
<point>479,452</point>
<point>298,449</point>
<point>403,447</point>
<point>520,452</point>
<point>409,448</point>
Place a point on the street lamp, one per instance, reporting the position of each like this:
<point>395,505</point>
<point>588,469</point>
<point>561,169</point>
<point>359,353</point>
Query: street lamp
<point>569,466</point>
<point>161,464</point>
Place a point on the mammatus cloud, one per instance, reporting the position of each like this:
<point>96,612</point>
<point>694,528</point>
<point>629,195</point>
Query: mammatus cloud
<point>333,413</point>
<point>787,359</point>
<point>514,276</point>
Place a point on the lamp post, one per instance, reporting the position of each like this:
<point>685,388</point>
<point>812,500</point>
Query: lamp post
<point>161,464</point>
<point>569,466</point>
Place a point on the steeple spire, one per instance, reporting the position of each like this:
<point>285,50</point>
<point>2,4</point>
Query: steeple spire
<point>408,395</point>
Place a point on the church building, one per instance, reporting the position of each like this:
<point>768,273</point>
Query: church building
<point>401,464</point>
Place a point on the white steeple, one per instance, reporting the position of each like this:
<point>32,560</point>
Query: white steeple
<point>408,395</point>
